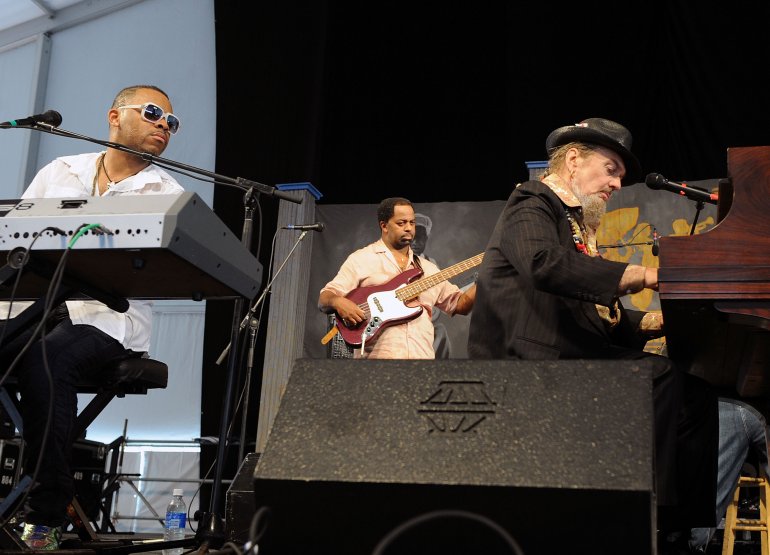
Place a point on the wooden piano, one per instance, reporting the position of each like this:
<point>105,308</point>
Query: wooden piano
<point>715,286</point>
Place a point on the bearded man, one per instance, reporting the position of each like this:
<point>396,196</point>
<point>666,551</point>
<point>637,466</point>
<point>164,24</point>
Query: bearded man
<point>545,293</point>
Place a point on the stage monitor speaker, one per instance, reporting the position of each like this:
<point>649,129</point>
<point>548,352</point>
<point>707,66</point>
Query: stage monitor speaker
<point>460,456</point>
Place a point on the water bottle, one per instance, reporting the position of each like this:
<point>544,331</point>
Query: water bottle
<point>176,520</point>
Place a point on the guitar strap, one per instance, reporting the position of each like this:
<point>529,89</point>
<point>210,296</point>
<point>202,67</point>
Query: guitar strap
<point>417,263</point>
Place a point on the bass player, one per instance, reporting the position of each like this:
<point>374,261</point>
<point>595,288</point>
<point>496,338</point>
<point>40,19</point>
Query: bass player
<point>409,334</point>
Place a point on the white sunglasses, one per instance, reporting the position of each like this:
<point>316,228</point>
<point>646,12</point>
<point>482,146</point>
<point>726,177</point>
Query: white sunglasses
<point>154,113</point>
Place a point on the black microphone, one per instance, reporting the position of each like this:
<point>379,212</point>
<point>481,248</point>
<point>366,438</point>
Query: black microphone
<point>655,245</point>
<point>657,181</point>
<point>307,227</point>
<point>51,117</point>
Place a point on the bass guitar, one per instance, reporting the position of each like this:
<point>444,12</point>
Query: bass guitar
<point>386,305</point>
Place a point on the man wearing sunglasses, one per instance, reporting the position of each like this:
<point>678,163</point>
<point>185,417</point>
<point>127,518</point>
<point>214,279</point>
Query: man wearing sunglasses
<point>83,335</point>
<point>141,119</point>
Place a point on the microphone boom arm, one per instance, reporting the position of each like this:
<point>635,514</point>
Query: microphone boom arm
<point>656,181</point>
<point>240,182</point>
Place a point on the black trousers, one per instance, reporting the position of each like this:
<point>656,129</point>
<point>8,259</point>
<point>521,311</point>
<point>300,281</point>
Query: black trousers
<point>67,352</point>
<point>686,443</point>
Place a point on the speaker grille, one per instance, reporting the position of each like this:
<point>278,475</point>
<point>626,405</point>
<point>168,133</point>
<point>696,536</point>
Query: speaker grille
<point>546,450</point>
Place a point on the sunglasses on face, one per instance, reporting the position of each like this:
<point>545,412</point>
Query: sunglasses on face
<point>154,113</point>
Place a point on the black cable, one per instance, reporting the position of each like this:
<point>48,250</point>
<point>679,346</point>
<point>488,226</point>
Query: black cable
<point>259,228</point>
<point>259,523</point>
<point>242,354</point>
<point>242,403</point>
<point>15,288</point>
<point>229,547</point>
<point>213,464</point>
<point>391,536</point>
<point>40,330</point>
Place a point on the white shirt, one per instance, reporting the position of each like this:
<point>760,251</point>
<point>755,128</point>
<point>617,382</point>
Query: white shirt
<point>71,177</point>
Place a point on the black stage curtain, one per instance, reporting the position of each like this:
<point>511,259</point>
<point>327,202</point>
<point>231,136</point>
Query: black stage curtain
<point>446,101</point>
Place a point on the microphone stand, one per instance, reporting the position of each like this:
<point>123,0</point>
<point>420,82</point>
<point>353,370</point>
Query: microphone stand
<point>211,531</point>
<point>698,208</point>
<point>621,245</point>
<point>253,329</point>
<point>654,241</point>
<point>261,298</point>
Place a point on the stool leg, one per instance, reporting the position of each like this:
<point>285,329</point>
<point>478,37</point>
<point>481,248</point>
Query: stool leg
<point>728,542</point>
<point>763,490</point>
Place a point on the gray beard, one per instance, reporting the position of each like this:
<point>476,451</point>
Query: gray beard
<point>593,209</point>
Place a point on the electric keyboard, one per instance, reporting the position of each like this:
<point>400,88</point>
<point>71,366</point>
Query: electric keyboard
<point>145,246</point>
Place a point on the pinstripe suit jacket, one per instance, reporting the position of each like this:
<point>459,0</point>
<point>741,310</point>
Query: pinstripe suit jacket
<point>536,298</point>
<point>536,294</point>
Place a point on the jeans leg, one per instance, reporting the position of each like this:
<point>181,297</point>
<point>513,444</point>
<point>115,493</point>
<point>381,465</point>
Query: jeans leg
<point>66,352</point>
<point>741,430</point>
<point>756,432</point>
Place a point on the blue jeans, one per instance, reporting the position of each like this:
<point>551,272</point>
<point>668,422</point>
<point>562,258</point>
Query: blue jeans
<point>741,433</point>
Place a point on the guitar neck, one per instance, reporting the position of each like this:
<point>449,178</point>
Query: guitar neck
<point>415,288</point>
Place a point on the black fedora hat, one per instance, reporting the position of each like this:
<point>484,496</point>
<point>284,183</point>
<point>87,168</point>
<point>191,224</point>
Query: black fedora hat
<point>602,132</point>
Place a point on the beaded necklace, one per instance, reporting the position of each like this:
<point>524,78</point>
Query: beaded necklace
<point>577,232</point>
<point>609,314</point>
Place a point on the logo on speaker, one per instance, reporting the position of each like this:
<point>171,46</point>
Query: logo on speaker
<point>457,406</point>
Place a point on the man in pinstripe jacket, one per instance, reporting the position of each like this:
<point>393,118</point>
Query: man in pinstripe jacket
<point>545,293</point>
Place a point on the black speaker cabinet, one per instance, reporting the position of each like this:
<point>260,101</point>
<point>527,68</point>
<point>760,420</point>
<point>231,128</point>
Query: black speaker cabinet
<point>460,456</point>
<point>239,502</point>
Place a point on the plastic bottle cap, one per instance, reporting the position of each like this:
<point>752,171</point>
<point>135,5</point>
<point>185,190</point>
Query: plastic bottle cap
<point>178,492</point>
